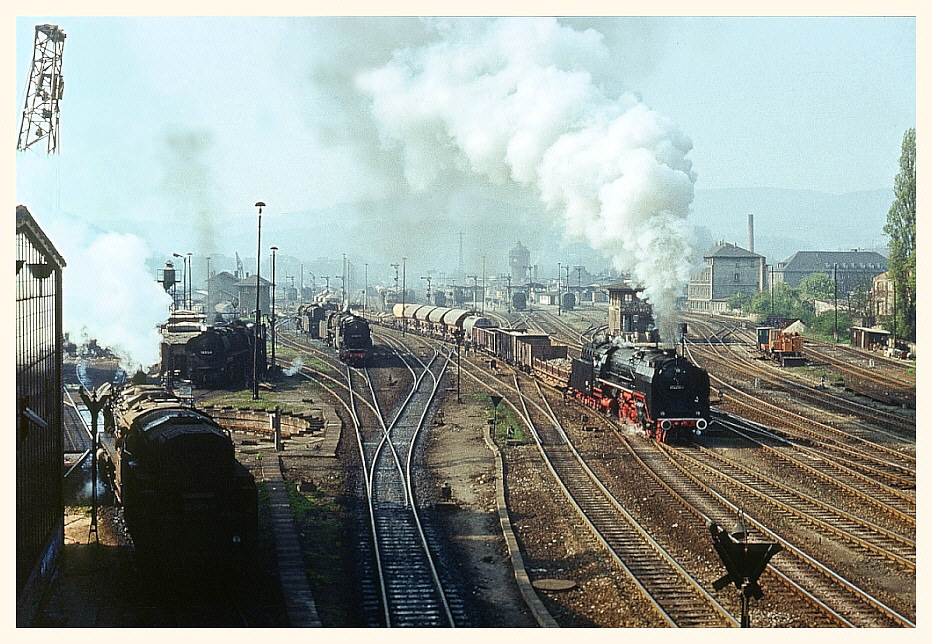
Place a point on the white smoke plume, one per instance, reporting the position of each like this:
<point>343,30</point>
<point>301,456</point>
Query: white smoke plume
<point>524,100</point>
<point>295,367</point>
<point>108,292</point>
<point>109,295</point>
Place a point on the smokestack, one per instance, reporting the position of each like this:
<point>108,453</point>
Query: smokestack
<point>751,232</point>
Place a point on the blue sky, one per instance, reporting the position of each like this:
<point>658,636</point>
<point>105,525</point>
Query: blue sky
<point>173,127</point>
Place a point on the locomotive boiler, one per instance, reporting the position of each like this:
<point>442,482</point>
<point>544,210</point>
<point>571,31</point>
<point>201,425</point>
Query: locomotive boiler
<point>189,506</point>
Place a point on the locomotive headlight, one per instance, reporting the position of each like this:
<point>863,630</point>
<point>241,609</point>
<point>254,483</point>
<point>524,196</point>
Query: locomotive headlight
<point>237,539</point>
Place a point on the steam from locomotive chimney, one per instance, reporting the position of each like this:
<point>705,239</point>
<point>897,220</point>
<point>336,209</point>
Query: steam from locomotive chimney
<point>523,100</point>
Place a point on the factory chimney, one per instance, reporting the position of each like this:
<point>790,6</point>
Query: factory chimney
<point>751,232</point>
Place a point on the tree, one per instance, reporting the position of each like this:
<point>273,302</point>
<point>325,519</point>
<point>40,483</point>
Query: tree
<point>818,286</point>
<point>901,228</point>
<point>739,301</point>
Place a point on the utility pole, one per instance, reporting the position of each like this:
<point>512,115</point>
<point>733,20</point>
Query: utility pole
<point>404,322</point>
<point>835,280</point>
<point>274,248</point>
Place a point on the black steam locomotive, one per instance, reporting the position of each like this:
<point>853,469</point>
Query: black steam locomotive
<point>310,317</point>
<point>350,335</point>
<point>656,389</point>
<point>188,504</point>
<point>223,356</point>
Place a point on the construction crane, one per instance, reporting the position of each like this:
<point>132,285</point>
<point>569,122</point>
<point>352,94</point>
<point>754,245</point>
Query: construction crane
<point>44,90</point>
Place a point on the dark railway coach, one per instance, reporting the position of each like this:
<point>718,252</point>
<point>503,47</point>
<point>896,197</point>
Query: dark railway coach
<point>188,504</point>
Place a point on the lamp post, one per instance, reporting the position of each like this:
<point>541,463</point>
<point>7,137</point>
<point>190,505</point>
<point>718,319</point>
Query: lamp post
<point>404,322</point>
<point>207,308</point>
<point>184,277</point>
<point>190,284</point>
<point>255,350</point>
<point>274,248</point>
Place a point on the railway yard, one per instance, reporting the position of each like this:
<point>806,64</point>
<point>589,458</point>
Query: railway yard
<point>447,489</point>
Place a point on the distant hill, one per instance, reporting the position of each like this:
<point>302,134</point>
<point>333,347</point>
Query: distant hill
<point>786,221</point>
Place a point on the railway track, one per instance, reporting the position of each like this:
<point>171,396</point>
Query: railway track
<point>855,452</point>
<point>678,599</point>
<point>412,591</point>
<point>403,585</point>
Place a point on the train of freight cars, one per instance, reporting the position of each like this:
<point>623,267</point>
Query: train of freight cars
<point>655,389</point>
<point>189,505</point>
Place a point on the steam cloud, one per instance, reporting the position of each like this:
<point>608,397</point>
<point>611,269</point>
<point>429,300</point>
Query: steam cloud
<point>525,101</point>
<point>295,367</point>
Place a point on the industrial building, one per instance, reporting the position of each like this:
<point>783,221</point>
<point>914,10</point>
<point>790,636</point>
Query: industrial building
<point>39,502</point>
<point>729,270</point>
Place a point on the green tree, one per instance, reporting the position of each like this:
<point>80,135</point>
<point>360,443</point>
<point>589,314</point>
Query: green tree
<point>901,228</point>
<point>786,301</point>
<point>739,302</point>
<point>818,286</point>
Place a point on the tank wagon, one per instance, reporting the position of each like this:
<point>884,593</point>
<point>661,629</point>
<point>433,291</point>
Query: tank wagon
<point>188,504</point>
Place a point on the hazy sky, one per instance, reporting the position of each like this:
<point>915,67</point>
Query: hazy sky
<point>812,103</point>
<point>174,127</point>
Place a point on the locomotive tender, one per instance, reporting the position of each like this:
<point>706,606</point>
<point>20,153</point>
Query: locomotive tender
<point>654,389</point>
<point>188,504</point>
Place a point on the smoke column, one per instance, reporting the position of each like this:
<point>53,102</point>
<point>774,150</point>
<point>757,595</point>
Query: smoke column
<point>522,100</point>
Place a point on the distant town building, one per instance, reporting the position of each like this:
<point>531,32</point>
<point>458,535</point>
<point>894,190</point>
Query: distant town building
<point>852,269</point>
<point>38,429</point>
<point>882,301</point>
<point>629,316</point>
<point>729,270</point>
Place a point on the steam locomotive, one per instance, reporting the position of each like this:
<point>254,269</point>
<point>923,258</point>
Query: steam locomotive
<point>349,334</point>
<point>223,355</point>
<point>310,317</point>
<point>655,389</point>
<point>211,356</point>
<point>188,504</point>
